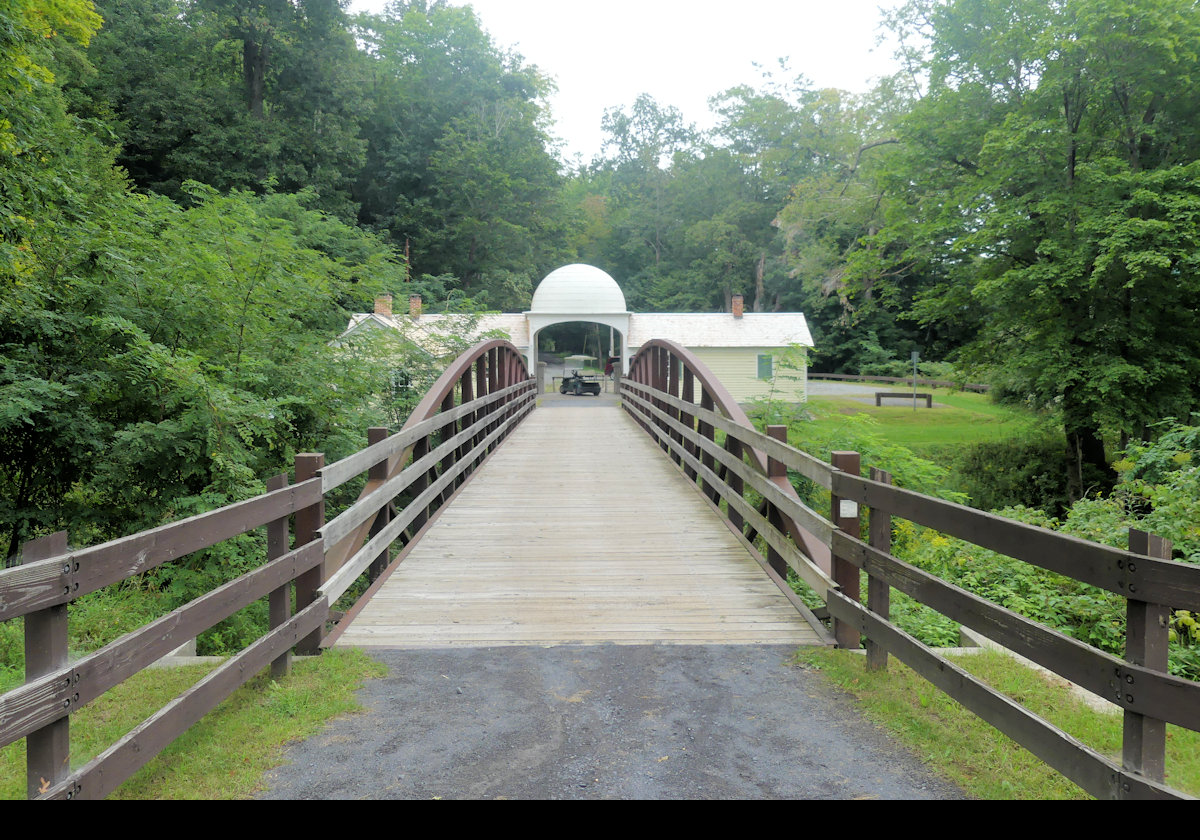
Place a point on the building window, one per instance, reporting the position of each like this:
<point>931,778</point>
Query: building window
<point>766,366</point>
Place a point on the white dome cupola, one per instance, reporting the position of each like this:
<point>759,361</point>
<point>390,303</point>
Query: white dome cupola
<point>578,289</point>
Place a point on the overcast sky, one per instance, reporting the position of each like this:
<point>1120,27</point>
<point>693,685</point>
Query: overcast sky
<point>681,53</point>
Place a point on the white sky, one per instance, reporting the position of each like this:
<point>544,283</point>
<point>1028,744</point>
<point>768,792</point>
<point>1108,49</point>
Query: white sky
<point>681,53</point>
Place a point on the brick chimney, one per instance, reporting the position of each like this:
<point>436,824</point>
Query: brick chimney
<point>383,305</point>
<point>736,306</point>
<point>414,306</point>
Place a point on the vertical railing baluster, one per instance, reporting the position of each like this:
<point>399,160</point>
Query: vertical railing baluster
<point>309,521</point>
<point>447,462</point>
<point>1144,739</point>
<point>777,472</point>
<point>48,750</point>
<point>660,383</point>
<point>736,486</point>
<point>493,372</point>
<point>481,390</point>
<point>845,574</point>
<point>279,600</point>
<point>466,385</point>
<point>419,483</point>
<point>879,594</point>
<point>514,374</point>
<point>709,432</point>
<point>378,473</point>
<point>673,389</point>
<point>688,419</point>
<point>652,382</point>
<point>637,373</point>
<point>505,381</point>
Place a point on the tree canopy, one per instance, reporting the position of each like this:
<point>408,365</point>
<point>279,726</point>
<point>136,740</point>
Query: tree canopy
<point>194,193</point>
<point>1047,189</point>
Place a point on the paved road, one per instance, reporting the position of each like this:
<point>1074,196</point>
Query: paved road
<point>819,387</point>
<point>578,722</point>
<point>862,393</point>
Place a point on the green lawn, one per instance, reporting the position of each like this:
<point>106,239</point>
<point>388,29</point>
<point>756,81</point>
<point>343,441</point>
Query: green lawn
<point>957,418</point>
<point>970,752</point>
<point>225,755</point>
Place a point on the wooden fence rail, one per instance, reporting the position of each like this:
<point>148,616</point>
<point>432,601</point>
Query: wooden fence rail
<point>931,383</point>
<point>411,474</point>
<point>733,471</point>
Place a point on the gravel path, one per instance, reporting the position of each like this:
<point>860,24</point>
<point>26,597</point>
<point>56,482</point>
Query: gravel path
<point>625,722</point>
<point>822,387</point>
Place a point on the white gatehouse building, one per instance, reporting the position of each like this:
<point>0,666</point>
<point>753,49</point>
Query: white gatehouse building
<point>754,354</point>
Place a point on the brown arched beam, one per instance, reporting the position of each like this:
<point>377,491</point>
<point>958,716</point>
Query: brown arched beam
<point>654,366</point>
<point>484,369</point>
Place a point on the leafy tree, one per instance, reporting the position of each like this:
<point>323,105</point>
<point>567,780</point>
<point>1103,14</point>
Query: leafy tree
<point>1048,179</point>
<point>239,94</point>
<point>51,176</point>
<point>458,171</point>
<point>637,180</point>
<point>160,361</point>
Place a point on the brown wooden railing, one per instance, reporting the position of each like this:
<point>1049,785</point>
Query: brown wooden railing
<point>660,395</point>
<point>929,383</point>
<point>465,415</point>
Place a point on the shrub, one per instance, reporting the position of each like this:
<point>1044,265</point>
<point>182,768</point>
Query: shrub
<point>1031,472</point>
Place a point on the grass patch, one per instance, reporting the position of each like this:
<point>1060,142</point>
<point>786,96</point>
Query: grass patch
<point>225,755</point>
<point>961,419</point>
<point>968,751</point>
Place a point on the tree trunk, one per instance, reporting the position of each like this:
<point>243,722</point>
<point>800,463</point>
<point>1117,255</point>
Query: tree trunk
<point>254,73</point>
<point>759,292</point>
<point>1092,474</point>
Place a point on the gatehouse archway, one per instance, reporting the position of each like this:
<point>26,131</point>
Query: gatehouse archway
<point>574,293</point>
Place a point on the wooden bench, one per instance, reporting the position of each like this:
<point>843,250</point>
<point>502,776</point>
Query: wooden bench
<point>879,395</point>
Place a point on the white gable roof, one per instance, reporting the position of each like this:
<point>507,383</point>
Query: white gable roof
<point>695,329</point>
<point>429,331</point>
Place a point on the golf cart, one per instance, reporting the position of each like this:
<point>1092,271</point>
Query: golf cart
<point>577,385</point>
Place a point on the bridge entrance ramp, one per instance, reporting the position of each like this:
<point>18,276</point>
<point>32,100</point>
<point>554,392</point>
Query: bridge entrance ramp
<point>578,530</point>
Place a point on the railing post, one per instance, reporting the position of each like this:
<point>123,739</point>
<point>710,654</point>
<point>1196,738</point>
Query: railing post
<point>734,447</point>
<point>510,378</point>
<point>48,750</point>
<point>777,472</point>
<point>309,521</point>
<point>448,432</point>
<point>707,431</point>
<point>673,366</point>
<point>468,394</point>
<point>481,390</point>
<point>378,472</point>
<point>1144,741</point>
<point>647,380</point>
<point>845,574</point>
<point>660,384</point>
<point>879,594</point>
<point>493,373</point>
<point>685,418</point>
<point>279,601</point>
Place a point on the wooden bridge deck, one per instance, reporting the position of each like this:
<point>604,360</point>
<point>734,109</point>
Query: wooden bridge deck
<point>578,530</point>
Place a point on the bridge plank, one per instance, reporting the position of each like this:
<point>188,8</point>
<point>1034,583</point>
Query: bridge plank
<point>578,530</point>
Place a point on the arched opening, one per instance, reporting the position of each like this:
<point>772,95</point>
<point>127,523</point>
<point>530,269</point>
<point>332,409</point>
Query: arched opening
<point>580,295</point>
<point>593,348</point>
